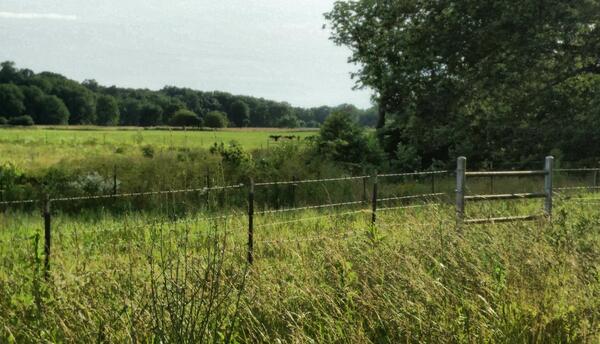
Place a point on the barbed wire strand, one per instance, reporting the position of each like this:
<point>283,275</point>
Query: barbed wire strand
<point>305,181</point>
<point>410,197</point>
<point>305,219</point>
<point>321,206</point>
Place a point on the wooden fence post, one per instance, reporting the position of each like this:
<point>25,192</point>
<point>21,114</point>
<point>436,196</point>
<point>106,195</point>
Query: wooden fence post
<point>364,192</point>
<point>461,166</point>
<point>114,179</point>
<point>374,199</point>
<point>595,179</point>
<point>251,222</point>
<point>293,191</point>
<point>207,188</point>
<point>433,182</point>
<point>548,168</point>
<point>47,235</point>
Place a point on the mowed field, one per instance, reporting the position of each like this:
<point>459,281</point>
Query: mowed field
<point>44,146</point>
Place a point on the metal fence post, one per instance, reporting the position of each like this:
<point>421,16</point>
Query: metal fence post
<point>47,234</point>
<point>433,182</point>
<point>374,199</point>
<point>461,166</point>
<point>548,168</point>
<point>251,222</point>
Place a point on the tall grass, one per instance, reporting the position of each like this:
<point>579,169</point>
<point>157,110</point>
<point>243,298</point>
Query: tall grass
<point>411,278</point>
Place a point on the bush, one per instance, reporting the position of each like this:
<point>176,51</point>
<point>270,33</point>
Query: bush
<point>21,120</point>
<point>3,120</point>
<point>215,119</point>
<point>342,139</point>
<point>185,118</point>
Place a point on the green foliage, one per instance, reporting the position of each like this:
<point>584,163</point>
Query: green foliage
<point>289,121</point>
<point>107,110</point>
<point>342,139</point>
<point>215,119</point>
<point>185,118</point>
<point>52,111</point>
<point>501,80</point>
<point>24,120</point>
<point>11,100</point>
<point>239,114</point>
<point>150,115</point>
<point>3,120</point>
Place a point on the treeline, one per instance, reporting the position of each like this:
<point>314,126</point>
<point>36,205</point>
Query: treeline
<point>49,98</point>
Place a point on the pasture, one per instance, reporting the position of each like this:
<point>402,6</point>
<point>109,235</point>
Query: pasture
<point>44,146</point>
<point>173,267</point>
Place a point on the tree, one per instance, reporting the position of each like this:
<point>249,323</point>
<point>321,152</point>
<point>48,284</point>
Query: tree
<point>342,139</point>
<point>215,119</point>
<point>185,118</point>
<point>11,100</point>
<point>52,111</point>
<point>129,110</point>
<point>107,110</point>
<point>469,77</point>
<point>79,100</point>
<point>289,121</point>
<point>150,115</point>
<point>240,113</point>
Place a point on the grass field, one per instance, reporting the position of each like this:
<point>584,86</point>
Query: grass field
<point>172,269</point>
<point>44,146</point>
<point>334,279</point>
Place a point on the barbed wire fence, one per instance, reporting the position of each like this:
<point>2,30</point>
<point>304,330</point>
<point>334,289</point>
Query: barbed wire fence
<point>364,205</point>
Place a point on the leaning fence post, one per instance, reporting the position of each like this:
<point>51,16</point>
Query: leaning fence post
<point>251,222</point>
<point>374,199</point>
<point>47,234</point>
<point>364,192</point>
<point>548,168</point>
<point>461,166</point>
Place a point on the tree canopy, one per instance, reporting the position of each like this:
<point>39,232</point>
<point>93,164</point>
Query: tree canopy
<point>506,80</point>
<point>88,102</point>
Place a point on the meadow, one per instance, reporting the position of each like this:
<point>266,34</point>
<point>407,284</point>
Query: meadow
<point>173,268</point>
<point>413,277</point>
<point>44,146</point>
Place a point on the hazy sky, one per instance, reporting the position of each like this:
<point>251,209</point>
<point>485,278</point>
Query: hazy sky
<point>274,49</point>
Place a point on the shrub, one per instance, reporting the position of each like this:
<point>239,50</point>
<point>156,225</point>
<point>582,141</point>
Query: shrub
<point>3,120</point>
<point>215,119</point>
<point>185,118</point>
<point>21,120</point>
<point>342,139</point>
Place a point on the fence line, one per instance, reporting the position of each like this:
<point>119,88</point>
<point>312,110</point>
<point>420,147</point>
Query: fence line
<point>410,197</point>
<point>424,173</point>
<point>306,181</point>
<point>320,206</point>
<point>305,219</point>
<point>410,206</point>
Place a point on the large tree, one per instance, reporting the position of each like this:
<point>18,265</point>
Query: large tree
<point>472,77</point>
<point>239,113</point>
<point>11,101</point>
<point>107,110</point>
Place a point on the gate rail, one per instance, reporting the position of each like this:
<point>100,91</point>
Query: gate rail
<point>461,197</point>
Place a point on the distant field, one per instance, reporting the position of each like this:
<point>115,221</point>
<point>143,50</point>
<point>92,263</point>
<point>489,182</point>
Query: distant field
<point>46,145</point>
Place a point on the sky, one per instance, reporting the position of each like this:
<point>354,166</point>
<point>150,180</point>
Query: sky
<point>275,49</point>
